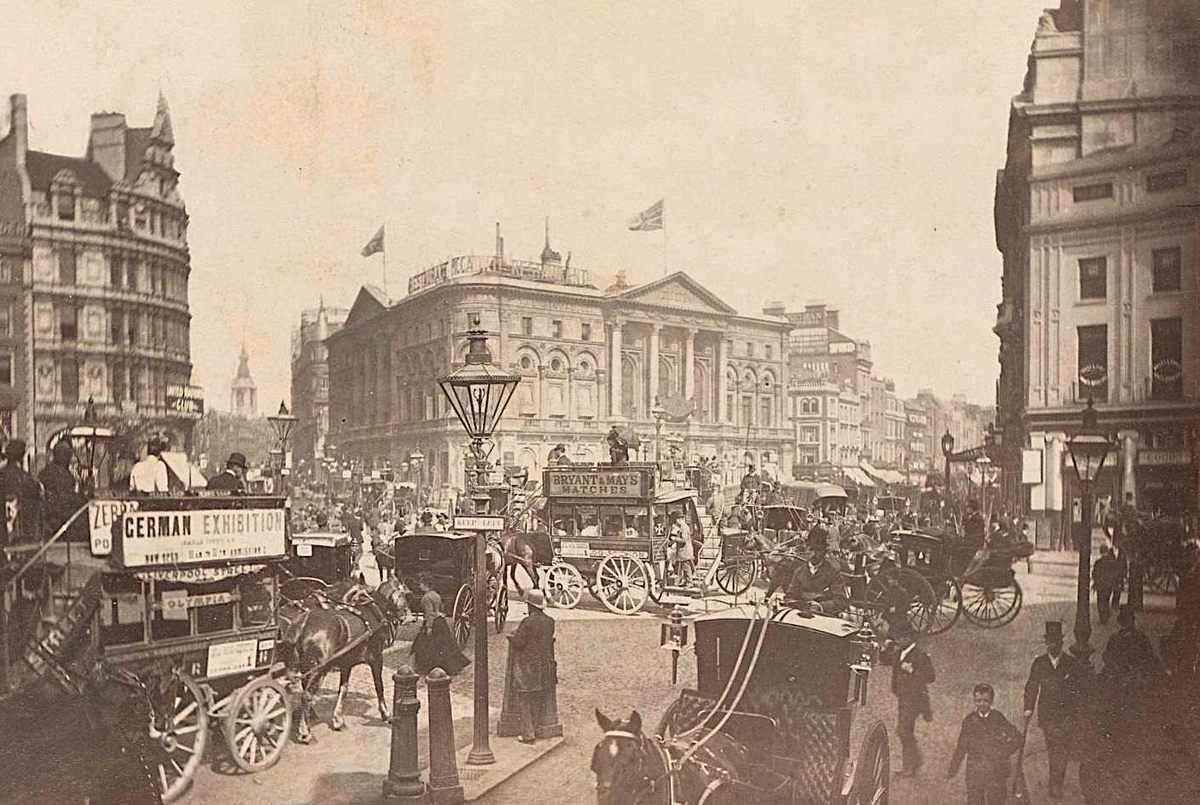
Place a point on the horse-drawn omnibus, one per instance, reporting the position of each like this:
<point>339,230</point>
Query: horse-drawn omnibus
<point>771,719</point>
<point>610,524</point>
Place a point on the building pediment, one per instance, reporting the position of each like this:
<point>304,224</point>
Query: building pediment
<point>369,304</point>
<point>678,292</point>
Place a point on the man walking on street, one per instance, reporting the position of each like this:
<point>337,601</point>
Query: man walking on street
<point>1108,576</point>
<point>1051,690</point>
<point>912,673</point>
<point>533,665</point>
<point>986,740</point>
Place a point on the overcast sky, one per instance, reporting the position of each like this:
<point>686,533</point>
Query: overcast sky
<point>808,150</point>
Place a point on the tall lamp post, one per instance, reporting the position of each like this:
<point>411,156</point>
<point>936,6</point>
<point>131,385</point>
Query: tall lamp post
<point>282,423</point>
<point>947,451</point>
<point>1089,447</point>
<point>479,391</point>
<point>659,414</point>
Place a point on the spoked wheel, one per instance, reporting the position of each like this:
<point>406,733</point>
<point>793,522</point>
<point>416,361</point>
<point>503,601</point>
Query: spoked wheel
<point>922,601</point>
<point>258,724</point>
<point>563,585</point>
<point>991,607</point>
<point>949,604</point>
<point>500,597</point>
<point>873,772</point>
<point>735,576</point>
<point>183,739</point>
<point>464,608</point>
<point>623,584</point>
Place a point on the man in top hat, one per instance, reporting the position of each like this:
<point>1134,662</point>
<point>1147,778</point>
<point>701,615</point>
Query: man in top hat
<point>233,477</point>
<point>912,673</point>
<point>1052,689</point>
<point>817,583</point>
<point>533,667</point>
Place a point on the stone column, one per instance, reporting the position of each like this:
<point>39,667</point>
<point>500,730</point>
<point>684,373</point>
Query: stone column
<point>616,375</point>
<point>722,384</point>
<point>655,334</point>
<point>689,365</point>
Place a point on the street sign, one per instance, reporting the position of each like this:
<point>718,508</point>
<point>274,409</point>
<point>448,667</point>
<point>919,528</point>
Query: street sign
<point>478,523</point>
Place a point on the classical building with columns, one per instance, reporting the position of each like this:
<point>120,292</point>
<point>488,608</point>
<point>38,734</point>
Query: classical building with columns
<point>587,358</point>
<point>1097,219</point>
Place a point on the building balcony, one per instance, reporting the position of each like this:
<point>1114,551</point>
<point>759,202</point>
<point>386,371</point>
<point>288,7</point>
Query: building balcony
<point>107,293</point>
<point>102,223</point>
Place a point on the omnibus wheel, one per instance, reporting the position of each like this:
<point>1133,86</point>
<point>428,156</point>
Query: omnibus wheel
<point>258,724</point>
<point>182,741</point>
<point>623,584</point>
<point>563,585</point>
<point>460,616</point>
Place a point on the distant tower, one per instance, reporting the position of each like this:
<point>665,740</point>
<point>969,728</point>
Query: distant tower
<point>243,393</point>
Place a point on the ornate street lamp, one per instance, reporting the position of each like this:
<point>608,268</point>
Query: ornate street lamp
<point>659,413</point>
<point>1089,447</point>
<point>479,391</point>
<point>282,423</point>
<point>947,451</point>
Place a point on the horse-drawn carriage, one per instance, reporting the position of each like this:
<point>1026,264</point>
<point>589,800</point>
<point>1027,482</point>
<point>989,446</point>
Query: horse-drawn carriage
<point>981,586</point>
<point>771,720</point>
<point>447,561</point>
<point>317,560</point>
<point>183,595</point>
<point>1162,545</point>
<point>610,531</point>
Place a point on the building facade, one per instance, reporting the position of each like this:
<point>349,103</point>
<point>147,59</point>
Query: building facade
<point>1097,221</point>
<point>586,357</point>
<point>310,387</point>
<point>105,270</point>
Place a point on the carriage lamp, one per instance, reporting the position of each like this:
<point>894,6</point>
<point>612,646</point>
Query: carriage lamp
<point>479,391</point>
<point>1089,447</point>
<point>674,638</point>
<point>868,657</point>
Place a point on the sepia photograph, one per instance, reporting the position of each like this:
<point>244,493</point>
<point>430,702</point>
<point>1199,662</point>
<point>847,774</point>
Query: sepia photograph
<point>544,402</point>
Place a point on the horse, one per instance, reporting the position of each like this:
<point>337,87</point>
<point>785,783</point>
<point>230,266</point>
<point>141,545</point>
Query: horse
<point>82,742</point>
<point>516,549</point>
<point>632,768</point>
<point>339,628</point>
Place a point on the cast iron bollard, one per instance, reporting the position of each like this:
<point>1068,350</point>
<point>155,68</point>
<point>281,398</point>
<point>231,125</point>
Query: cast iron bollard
<point>403,783</point>
<point>547,726</point>
<point>444,785</point>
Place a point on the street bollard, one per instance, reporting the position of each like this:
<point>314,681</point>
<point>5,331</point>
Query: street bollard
<point>403,783</point>
<point>444,785</point>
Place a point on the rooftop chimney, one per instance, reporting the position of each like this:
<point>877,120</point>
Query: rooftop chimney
<point>18,124</point>
<point>774,308</point>
<point>106,144</point>
<point>499,246</point>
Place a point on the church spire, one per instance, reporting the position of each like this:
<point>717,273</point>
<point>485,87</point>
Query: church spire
<point>162,131</point>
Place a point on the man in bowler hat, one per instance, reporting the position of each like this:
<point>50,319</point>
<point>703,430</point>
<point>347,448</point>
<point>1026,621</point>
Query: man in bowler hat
<point>233,477</point>
<point>912,673</point>
<point>986,740</point>
<point>1052,691</point>
<point>534,669</point>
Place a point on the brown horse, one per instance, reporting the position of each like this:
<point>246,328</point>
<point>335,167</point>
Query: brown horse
<point>340,628</point>
<point>634,769</point>
<point>518,550</point>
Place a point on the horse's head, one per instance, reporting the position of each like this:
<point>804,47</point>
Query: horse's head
<point>622,761</point>
<point>394,596</point>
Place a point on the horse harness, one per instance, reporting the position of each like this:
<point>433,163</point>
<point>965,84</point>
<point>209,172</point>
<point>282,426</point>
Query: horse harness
<point>363,607</point>
<point>717,776</point>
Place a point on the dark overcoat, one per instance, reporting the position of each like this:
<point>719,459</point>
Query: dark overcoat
<point>911,688</point>
<point>532,646</point>
<point>1055,691</point>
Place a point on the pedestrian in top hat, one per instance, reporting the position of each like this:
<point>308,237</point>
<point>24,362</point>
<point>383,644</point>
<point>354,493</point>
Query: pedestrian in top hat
<point>233,477</point>
<point>986,740</point>
<point>533,666</point>
<point>912,673</point>
<point>1052,691</point>
<point>1108,577</point>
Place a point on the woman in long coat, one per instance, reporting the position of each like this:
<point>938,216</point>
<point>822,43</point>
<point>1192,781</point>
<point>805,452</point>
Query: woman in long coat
<point>434,645</point>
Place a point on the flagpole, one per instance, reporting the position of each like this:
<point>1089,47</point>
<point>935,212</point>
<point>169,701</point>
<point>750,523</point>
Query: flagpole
<point>384,253</point>
<point>664,231</point>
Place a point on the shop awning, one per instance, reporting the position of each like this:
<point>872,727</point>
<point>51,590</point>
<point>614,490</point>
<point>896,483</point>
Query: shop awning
<point>887,476</point>
<point>858,477</point>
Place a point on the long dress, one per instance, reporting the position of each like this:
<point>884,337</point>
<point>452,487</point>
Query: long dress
<point>434,645</point>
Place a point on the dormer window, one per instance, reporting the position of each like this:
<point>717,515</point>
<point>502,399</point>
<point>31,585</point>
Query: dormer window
<point>66,205</point>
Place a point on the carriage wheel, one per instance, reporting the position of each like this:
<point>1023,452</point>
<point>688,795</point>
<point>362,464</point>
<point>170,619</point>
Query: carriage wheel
<point>922,601</point>
<point>563,585</point>
<point>991,607</point>
<point>623,584</point>
<point>873,772</point>
<point>182,743</point>
<point>500,611</point>
<point>735,576</point>
<point>949,605</point>
<point>258,724</point>
<point>464,609</point>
